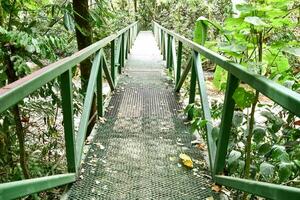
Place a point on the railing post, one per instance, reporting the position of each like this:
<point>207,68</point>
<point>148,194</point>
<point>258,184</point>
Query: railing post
<point>118,55</point>
<point>169,52</point>
<point>225,128</point>
<point>159,39</point>
<point>163,44</point>
<point>67,109</point>
<point>166,45</point>
<point>129,40</point>
<point>126,45</point>
<point>205,108</point>
<point>192,84</point>
<point>112,61</point>
<point>179,57</point>
<point>121,54</point>
<point>99,89</point>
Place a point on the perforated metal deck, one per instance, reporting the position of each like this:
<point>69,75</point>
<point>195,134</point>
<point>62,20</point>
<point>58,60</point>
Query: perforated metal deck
<point>135,153</point>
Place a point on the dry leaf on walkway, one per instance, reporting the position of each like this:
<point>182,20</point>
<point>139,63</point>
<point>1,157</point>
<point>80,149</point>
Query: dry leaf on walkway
<point>216,188</point>
<point>201,146</point>
<point>186,160</point>
<point>209,198</point>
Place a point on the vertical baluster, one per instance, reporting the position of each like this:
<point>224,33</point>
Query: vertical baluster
<point>122,52</point>
<point>67,109</point>
<point>159,39</point>
<point>112,61</point>
<point>129,40</point>
<point>166,45</point>
<point>192,83</point>
<point>205,107</point>
<point>179,57</point>
<point>127,45</point>
<point>225,128</point>
<point>119,52</point>
<point>163,45</point>
<point>169,52</point>
<point>99,90</point>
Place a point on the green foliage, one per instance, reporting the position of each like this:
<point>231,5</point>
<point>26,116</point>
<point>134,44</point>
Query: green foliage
<point>243,98</point>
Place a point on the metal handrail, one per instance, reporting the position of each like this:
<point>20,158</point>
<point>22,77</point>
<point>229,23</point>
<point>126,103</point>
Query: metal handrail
<point>62,69</point>
<point>285,97</point>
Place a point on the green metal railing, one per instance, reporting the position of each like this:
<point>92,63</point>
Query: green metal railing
<point>285,97</point>
<point>120,44</point>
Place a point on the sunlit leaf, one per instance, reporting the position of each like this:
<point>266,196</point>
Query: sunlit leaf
<point>266,170</point>
<point>233,156</point>
<point>256,21</point>
<point>243,98</point>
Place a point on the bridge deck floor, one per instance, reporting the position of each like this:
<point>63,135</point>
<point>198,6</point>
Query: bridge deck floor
<point>135,153</point>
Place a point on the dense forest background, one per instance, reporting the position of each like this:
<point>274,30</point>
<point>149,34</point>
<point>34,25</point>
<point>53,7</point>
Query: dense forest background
<point>262,35</point>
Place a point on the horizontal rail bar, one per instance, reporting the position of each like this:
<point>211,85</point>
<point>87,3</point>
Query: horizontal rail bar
<point>285,97</point>
<point>16,91</point>
<point>263,189</point>
<point>16,189</point>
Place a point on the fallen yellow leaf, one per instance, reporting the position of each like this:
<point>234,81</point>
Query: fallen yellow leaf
<point>186,160</point>
<point>201,146</point>
<point>216,188</point>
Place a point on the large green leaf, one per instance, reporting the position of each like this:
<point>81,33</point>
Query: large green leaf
<point>220,78</point>
<point>256,21</point>
<point>233,156</point>
<point>201,27</point>
<point>68,22</point>
<point>266,170</point>
<point>264,148</point>
<point>200,32</point>
<point>243,98</point>
<point>237,119</point>
<point>284,171</point>
<point>292,50</point>
<point>279,153</point>
<point>258,134</point>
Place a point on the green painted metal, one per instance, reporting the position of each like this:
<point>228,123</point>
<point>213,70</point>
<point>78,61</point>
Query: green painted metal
<point>122,52</point>
<point>162,44</point>
<point>184,75</point>
<point>179,59</point>
<point>129,41</point>
<point>165,44</point>
<point>67,109</point>
<point>22,188</point>
<point>174,56</point>
<point>225,128</point>
<point>106,72</point>
<point>112,61</point>
<point>205,107</point>
<point>100,109</point>
<point>126,46</point>
<point>285,97</point>
<point>16,91</point>
<point>278,93</point>
<point>192,92</point>
<point>84,119</point>
<point>263,189</point>
<point>118,55</point>
<point>169,52</point>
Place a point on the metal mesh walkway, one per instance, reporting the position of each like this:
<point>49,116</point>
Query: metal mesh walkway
<point>135,153</point>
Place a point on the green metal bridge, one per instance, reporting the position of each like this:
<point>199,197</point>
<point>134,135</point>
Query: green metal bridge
<point>132,155</point>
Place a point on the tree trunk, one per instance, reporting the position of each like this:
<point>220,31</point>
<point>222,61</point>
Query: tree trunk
<point>135,10</point>
<point>84,39</point>
<point>11,75</point>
